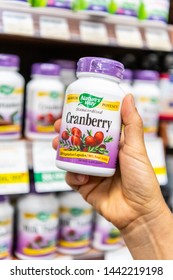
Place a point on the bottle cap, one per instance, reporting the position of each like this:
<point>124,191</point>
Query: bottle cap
<point>101,66</point>
<point>9,60</point>
<point>3,198</point>
<point>128,74</point>
<point>46,69</point>
<point>66,64</point>
<point>146,75</point>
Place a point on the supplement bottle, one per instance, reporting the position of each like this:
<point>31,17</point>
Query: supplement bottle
<point>63,4</point>
<point>37,226</point>
<point>126,83</point>
<point>76,223</point>
<point>6,228</point>
<point>91,5</point>
<point>154,10</point>
<point>147,98</point>
<point>45,94</point>
<point>11,97</point>
<point>68,71</point>
<point>125,7</point>
<point>91,121</point>
<point>106,236</point>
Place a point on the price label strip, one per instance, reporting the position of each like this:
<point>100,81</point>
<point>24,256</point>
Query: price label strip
<point>158,39</point>
<point>14,175</point>
<point>155,151</point>
<point>92,32</point>
<point>47,176</point>
<point>56,28</point>
<point>128,36</point>
<point>17,23</point>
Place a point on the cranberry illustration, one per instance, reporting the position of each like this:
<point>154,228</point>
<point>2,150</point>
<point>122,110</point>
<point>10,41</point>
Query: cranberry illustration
<point>65,135</point>
<point>76,131</point>
<point>38,239</point>
<point>85,149</point>
<point>99,136</point>
<point>75,140</point>
<point>90,141</point>
<point>40,118</point>
<point>49,118</point>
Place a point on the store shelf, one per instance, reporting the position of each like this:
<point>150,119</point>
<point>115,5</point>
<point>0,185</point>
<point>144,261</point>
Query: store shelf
<point>99,29</point>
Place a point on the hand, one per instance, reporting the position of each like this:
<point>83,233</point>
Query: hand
<point>133,192</point>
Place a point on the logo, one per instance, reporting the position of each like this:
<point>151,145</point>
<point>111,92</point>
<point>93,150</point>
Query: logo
<point>89,101</point>
<point>6,90</point>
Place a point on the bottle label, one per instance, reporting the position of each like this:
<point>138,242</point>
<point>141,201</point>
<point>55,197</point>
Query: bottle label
<point>5,238</point>
<point>90,130</point>
<point>154,10</point>
<point>45,109</point>
<point>65,4</point>
<point>128,7</point>
<point>75,228</point>
<point>92,5</point>
<point>37,234</point>
<point>108,235</point>
<point>11,105</point>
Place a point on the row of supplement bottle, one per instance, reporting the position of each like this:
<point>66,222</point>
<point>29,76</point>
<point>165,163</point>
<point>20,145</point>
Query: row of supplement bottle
<point>142,9</point>
<point>45,93</point>
<point>47,225</point>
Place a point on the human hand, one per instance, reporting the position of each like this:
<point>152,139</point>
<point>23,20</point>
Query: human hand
<point>133,192</point>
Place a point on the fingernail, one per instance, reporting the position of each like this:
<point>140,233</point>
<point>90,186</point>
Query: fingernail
<point>81,178</point>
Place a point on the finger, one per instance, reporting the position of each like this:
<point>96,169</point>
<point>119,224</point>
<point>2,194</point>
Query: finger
<point>76,180</point>
<point>133,126</point>
<point>55,142</point>
<point>57,125</point>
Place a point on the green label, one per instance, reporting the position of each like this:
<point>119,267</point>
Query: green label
<point>49,177</point>
<point>76,211</point>
<point>6,90</point>
<point>42,216</point>
<point>54,94</point>
<point>89,101</point>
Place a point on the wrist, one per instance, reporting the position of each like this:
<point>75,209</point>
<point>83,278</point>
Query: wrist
<point>150,235</point>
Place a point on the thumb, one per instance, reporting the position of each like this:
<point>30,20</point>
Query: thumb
<point>133,125</point>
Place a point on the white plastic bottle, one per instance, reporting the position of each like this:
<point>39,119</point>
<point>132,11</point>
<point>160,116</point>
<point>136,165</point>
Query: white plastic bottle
<point>128,8</point>
<point>6,228</point>
<point>147,99</point>
<point>11,97</point>
<point>106,236</point>
<point>45,94</point>
<point>126,83</point>
<point>68,71</point>
<point>154,10</point>
<point>76,222</point>
<point>37,226</point>
<point>91,120</point>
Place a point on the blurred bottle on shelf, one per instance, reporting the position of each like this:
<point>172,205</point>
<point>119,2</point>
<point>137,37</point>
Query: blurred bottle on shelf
<point>76,224</point>
<point>37,226</point>
<point>128,8</point>
<point>6,228</point>
<point>68,70</point>
<point>106,236</point>
<point>44,101</point>
<point>11,97</point>
<point>147,98</point>
<point>93,6</point>
<point>152,10</point>
<point>126,83</point>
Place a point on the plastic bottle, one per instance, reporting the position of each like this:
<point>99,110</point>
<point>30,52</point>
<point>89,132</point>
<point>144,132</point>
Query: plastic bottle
<point>106,236</point>
<point>166,99</point>
<point>64,4</point>
<point>6,228</point>
<point>91,121</point>
<point>76,223</point>
<point>37,226</point>
<point>93,6</point>
<point>68,71</point>
<point>126,83</point>
<point>147,99</point>
<point>125,7</point>
<point>11,97</point>
<point>154,10</point>
<point>45,94</point>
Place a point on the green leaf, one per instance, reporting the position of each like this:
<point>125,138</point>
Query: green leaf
<point>89,101</point>
<point>108,139</point>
